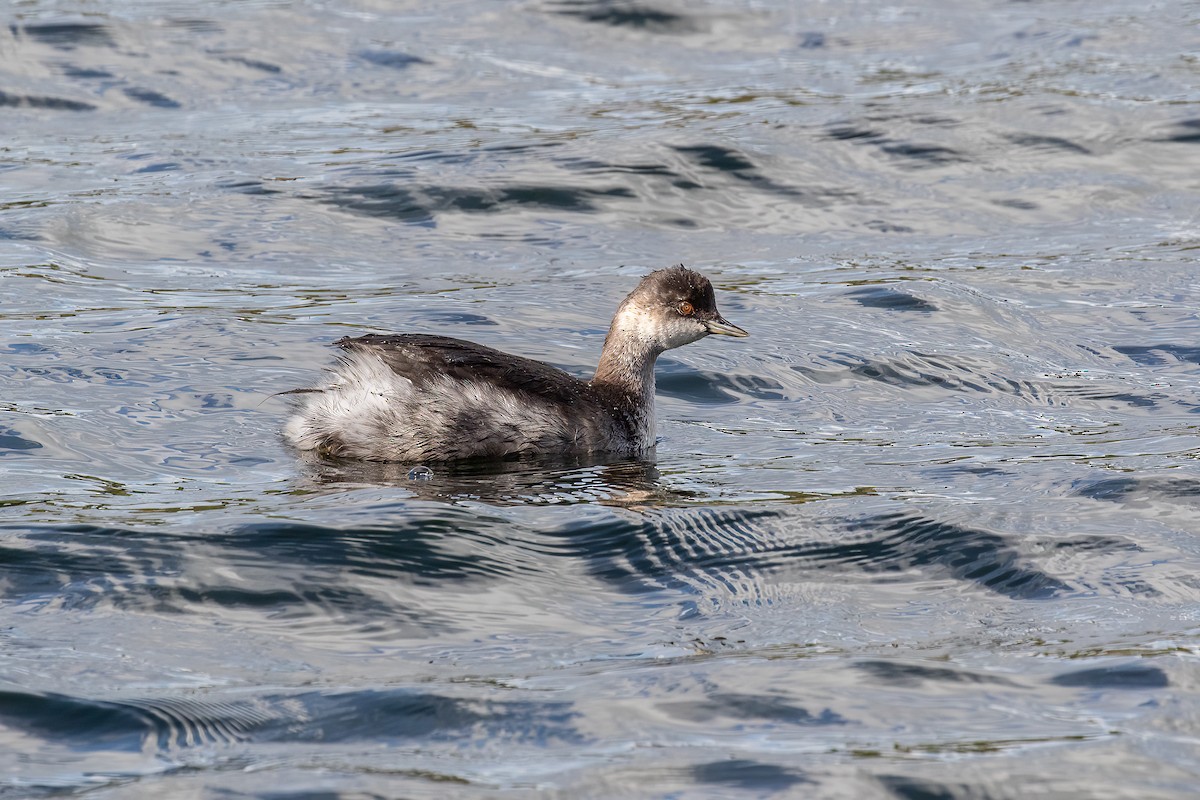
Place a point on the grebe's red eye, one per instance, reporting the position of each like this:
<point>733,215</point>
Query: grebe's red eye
<point>686,309</point>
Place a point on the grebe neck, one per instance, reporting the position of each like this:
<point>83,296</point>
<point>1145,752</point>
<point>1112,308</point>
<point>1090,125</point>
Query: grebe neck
<point>627,361</point>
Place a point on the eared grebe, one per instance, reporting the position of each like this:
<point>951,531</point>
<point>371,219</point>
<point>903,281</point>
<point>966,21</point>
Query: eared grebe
<point>412,397</point>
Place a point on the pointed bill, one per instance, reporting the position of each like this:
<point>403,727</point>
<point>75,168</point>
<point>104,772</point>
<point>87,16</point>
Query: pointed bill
<point>724,327</point>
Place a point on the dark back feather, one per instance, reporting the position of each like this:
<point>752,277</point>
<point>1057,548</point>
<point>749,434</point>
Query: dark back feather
<point>422,358</point>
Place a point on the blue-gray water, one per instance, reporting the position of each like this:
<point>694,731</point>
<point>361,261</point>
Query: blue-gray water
<point>932,532</point>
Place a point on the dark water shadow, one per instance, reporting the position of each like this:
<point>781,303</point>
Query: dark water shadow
<point>915,370</point>
<point>1189,132</point>
<point>890,299</point>
<point>422,204</point>
<point>1155,355</point>
<point>39,101</point>
<point>342,572</point>
<point>908,788</point>
<point>730,706</point>
<point>541,480</point>
<point>1121,676</point>
<point>367,579</point>
<point>685,549</point>
<point>84,73</point>
<point>151,97</point>
<point>393,59</point>
<point>747,775</point>
<point>730,550</point>
<point>1047,143</point>
<point>301,574</point>
<point>196,25</point>
<point>902,540</point>
<point>912,155</point>
<point>252,63</point>
<point>67,35</point>
<point>704,387</point>
<point>728,162</point>
<point>909,675</point>
<point>592,166</point>
<point>250,187</point>
<point>368,715</point>
<point>627,14</point>
<point>1144,491</point>
<point>316,572</point>
<point>11,440</point>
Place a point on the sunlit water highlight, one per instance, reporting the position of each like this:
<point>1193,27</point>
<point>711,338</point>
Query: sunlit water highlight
<point>930,532</point>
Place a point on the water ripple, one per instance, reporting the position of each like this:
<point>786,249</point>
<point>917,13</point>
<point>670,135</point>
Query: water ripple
<point>67,35</point>
<point>957,373</point>
<point>897,673</point>
<point>1120,676</point>
<point>625,14</point>
<point>1144,490</point>
<point>748,707</point>
<point>743,774</point>
<point>728,553</point>
<point>914,155</point>
<point>52,103</point>
<point>422,204</point>
<point>890,299</point>
<point>380,715</point>
<point>904,541</point>
<point>931,532</point>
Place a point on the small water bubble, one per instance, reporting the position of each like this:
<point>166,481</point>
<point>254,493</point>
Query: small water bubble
<point>420,474</point>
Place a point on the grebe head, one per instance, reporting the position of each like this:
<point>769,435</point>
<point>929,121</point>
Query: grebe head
<point>670,308</point>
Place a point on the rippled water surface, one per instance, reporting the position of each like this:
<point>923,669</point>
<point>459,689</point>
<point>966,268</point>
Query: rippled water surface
<point>933,531</point>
